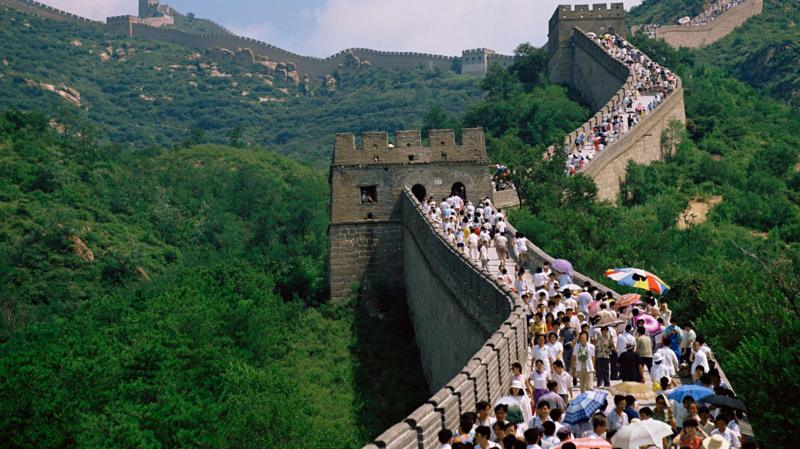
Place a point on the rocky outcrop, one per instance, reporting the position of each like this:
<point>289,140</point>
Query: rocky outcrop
<point>244,57</point>
<point>68,93</point>
<point>80,249</point>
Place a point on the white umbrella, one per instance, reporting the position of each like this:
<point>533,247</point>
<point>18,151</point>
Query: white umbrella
<point>570,287</point>
<point>641,433</point>
<point>684,20</point>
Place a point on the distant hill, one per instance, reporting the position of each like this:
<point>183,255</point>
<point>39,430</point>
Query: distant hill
<point>664,12</point>
<point>147,93</point>
<point>764,52</point>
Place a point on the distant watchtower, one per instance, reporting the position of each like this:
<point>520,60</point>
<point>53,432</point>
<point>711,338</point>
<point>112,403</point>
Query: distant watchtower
<point>366,181</point>
<point>476,62</point>
<point>600,19</point>
<point>148,8</point>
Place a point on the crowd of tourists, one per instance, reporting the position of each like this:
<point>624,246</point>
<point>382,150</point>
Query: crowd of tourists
<point>582,338</point>
<point>706,17</point>
<point>652,84</point>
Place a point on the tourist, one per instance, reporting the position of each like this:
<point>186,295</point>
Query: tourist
<point>617,418</point>
<point>483,436</point>
<point>721,424</point>
<point>690,435</point>
<point>630,366</point>
<point>445,437</point>
<point>583,361</point>
<point>603,347</point>
<point>644,347</point>
<point>598,428</point>
<point>563,379</point>
<point>553,399</point>
<point>538,380</point>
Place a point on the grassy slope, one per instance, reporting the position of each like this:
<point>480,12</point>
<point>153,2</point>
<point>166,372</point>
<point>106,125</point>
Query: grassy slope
<point>143,101</point>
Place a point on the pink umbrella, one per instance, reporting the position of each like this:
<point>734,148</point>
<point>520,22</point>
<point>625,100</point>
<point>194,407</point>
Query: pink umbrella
<point>650,323</point>
<point>627,300</point>
<point>588,443</point>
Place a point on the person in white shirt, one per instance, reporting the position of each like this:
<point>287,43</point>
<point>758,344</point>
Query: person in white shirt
<point>598,428</point>
<point>483,254</point>
<point>699,358</point>
<point>659,369</point>
<point>722,429</point>
<point>541,352</point>
<point>532,439</point>
<point>521,249</point>
<point>583,362</point>
<point>563,379</point>
<point>549,438</point>
<point>473,241</point>
<point>670,360</point>
<point>584,299</point>
<point>521,284</point>
<point>555,346</point>
<point>482,435</point>
<point>539,278</point>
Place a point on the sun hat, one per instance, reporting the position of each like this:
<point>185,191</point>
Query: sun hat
<point>716,442</point>
<point>657,358</point>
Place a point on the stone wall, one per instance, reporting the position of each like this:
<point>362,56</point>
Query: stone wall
<point>488,320</point>
<point>42,10</point>
<point>699,36</point>
<point>595,75</point>
<point>643,144</point>
<point>600,19</point>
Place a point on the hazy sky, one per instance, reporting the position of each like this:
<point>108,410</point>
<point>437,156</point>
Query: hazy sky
<point>323,27</point>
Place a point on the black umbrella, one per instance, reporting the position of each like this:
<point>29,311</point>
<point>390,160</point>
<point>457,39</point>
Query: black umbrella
<point>724,401</point>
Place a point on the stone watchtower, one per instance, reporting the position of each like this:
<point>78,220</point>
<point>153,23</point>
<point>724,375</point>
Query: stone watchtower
<point>600,19</point>
<point>365,236</point>
<point>476,62</point>
<point>148,8</point>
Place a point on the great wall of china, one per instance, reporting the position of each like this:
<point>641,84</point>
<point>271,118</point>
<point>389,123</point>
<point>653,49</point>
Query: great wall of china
<point>700,36</point>
<point>469,327</point>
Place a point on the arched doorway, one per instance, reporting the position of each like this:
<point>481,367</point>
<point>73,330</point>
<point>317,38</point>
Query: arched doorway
<point>459,189</point>
<point>419,192</point>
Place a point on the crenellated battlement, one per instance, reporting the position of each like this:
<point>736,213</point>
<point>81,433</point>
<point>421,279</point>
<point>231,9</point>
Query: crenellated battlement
<point>375,148</point>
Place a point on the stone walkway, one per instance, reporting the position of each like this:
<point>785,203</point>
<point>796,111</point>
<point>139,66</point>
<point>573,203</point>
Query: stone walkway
<point>588,152</point>
<point>511,266</point>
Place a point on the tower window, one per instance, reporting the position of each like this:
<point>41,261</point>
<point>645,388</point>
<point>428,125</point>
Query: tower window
<point>369,194</point>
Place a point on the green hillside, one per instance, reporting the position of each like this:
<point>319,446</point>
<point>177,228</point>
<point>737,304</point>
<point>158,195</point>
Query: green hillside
<point>174,298</point>
<point>664,12</point>
<point>145,93</point>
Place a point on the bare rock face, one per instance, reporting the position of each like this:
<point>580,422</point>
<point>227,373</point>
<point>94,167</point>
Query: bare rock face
<point>330,83</point>
<point>80,249</point>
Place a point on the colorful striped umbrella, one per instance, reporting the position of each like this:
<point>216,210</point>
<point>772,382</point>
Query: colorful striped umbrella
<point>695,391</point>
<point>628,300</point>
<point>636,278</point>
<point>584,405</point>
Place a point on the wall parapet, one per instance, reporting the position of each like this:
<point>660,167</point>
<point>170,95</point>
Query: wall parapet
<point>48,11</point>
<point>486,375</point>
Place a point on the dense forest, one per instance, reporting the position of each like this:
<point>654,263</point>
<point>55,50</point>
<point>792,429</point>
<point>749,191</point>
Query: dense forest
<point>147,93</point>
<point>174,298</point>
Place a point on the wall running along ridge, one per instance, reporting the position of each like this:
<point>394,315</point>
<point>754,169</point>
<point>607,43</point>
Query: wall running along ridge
<point>724,24</point>
<point>602,81</point>
<point>42,10</point>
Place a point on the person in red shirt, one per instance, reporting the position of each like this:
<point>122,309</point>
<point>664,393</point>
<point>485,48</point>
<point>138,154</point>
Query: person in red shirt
<point>691,436</point>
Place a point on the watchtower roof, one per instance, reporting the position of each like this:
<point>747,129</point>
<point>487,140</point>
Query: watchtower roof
<point>408,148</point>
